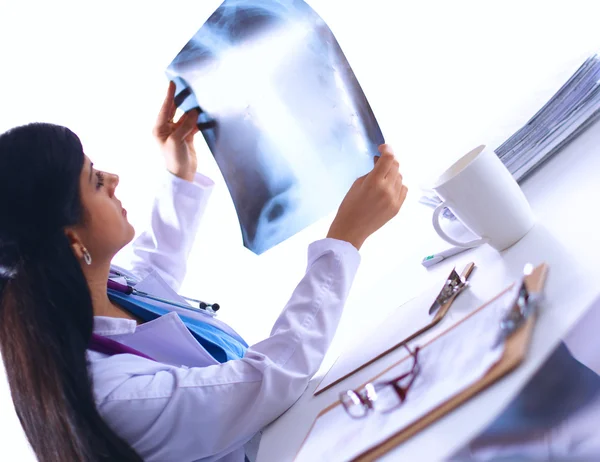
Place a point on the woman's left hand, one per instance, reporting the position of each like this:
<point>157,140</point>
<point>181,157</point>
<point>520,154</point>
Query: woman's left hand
<point>176,139</point>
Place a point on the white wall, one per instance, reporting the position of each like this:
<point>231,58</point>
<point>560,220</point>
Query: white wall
<point>442,77</point>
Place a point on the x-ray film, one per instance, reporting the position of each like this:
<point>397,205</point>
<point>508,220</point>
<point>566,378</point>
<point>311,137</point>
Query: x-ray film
<point>281,111</point>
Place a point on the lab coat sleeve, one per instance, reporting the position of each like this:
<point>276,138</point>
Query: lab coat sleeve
<point>165,244</point>
<point>206,413</point>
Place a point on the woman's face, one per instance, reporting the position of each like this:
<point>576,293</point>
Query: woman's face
<point>105,229</point>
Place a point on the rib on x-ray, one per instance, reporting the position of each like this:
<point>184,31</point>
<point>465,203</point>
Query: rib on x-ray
<point>282,113</point>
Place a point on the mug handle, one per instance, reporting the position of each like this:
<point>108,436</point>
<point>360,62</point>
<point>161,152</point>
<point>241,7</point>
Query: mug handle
<point>436,225</point>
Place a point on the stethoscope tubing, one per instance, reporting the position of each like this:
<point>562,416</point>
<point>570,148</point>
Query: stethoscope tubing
<point>128,290</point>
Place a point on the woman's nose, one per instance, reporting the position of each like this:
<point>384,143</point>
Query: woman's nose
<point>114,181</point>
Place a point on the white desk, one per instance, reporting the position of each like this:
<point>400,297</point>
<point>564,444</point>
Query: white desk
<point>563,195</point>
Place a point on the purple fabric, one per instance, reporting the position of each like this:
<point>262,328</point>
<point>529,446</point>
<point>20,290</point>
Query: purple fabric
<point>111,347</point>
<point>114,285</point>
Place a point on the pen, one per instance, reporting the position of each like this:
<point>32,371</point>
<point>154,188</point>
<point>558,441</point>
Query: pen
<point>440,256</point>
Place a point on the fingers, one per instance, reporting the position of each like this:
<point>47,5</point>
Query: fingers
<point>388,166</point>
<point>167,111</point>
<point>402,192</point>
<point>186,126</point>
<point>386,163</point>
<point>190,137</point>
<point>382,148</point>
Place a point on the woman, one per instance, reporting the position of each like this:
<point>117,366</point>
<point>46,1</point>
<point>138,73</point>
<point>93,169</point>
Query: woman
<point>99,375</point>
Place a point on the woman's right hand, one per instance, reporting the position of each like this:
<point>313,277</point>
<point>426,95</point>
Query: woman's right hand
<point>372,201</point>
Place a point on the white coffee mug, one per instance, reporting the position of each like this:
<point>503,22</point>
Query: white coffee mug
<point>484,196</point>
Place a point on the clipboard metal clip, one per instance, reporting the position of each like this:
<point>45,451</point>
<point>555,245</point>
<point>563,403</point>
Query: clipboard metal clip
<point>453,286</point>
<point>525,304</point>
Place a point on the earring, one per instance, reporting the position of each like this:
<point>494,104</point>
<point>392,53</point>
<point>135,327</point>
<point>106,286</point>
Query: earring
<point>87,257</point>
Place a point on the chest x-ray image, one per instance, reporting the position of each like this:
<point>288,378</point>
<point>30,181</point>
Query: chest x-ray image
<point>282,113</point>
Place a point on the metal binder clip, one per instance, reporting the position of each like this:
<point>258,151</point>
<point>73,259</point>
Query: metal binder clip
<point>524,305</point>
<point>453,286</point>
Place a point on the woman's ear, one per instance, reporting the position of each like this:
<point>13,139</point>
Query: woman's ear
<point>76,244</point>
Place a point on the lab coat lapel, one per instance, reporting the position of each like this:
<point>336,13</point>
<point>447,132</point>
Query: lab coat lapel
<point>167,340</point>
<point>153,284</point>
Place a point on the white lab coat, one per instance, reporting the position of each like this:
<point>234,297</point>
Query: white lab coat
<point>187,406</point>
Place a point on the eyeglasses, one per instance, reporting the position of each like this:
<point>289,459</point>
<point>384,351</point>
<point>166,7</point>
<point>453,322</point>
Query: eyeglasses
<point>384,396</point>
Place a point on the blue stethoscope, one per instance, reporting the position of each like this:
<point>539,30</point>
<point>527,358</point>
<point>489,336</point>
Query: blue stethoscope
<point>208,308</point>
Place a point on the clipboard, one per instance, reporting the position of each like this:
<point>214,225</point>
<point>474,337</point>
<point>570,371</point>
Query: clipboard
<point>513,353</point>
<point>439,315</point>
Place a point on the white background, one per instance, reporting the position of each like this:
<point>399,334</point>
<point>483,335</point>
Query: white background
<point>441,77</point>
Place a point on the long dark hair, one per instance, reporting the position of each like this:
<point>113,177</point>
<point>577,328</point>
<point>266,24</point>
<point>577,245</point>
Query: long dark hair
<point>46,316</point>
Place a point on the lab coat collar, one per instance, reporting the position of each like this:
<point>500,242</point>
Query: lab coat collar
<point>106,326</point>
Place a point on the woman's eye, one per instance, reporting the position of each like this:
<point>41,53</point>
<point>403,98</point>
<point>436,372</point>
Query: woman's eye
<point>100,183</point>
